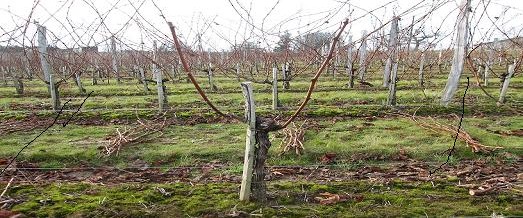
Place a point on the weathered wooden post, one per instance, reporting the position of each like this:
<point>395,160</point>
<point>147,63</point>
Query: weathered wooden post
<point>162,99</point>
<point>275,100</point>
<point>459,54</point>
<point>114,61</point>
<point>363,56</point>
<point>250,141</point>
<point>421,81</point>
<point>391,100</point>
<point>349,66</point>
<point>505,84</point>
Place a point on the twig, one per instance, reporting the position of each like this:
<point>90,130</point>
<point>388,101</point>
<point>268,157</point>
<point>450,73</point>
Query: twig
<point>457,133</point>
<point>318,73</point>
<point>7,187</point>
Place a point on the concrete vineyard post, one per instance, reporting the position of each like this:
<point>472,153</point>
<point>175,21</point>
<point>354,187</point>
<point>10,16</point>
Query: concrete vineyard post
<point>363,56</point>
<point>162,98</point>
<point>143,80</point>
<point>42,52</point>
<point>505,84</point>
<point>349,66</point>
<point>46,68</point>
<point>285,78</point>
<point>209,73</point>
<point>64,72</point>
<point>459,54</point>
<point>238,72</point>
<point>391,100</point>
<point>4,79</point>
<point>55,100</point>
<point>392,51</point>
<point>114,61</point>
<point>96,72</point>
<point>490,56</point>
<point>275,88</point>
<point>420,73</point>
<point>78,81</point>
<point>250,140</point>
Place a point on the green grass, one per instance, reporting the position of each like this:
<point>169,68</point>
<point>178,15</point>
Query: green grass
<point>354,141</point>
<point>294,199</point>
<point>330,92</point>
<point>339,127</point>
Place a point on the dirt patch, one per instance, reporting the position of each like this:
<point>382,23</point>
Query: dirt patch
<point>469,174</point>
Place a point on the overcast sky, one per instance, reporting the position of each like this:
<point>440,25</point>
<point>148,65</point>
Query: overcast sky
<point>221,23</point>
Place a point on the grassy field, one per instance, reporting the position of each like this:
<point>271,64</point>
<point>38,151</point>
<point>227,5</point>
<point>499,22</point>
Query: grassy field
<point>193,169</point>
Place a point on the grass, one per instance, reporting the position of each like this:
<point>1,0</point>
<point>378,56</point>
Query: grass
<point>294,199</point>
<point>354,141</point>
<point>340,127</point>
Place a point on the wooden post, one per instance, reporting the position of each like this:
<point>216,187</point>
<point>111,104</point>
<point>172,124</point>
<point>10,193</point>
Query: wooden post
<point>275,101</point>
<point>42,51</point>
<point>55,100</point>
<point>349,66</point>
<point>505,84</point>
<point>162,99</point>
<point>250,141</point>
<point>391,100</point>
<point>363,56</point>
<point>459,54</point>
<point>114,61</point>
<point>420,73</point>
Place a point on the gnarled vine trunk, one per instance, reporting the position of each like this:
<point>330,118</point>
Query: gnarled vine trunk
<point>263,127</point>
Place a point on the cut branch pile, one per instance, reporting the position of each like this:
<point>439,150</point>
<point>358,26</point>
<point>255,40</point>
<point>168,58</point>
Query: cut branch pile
<point>294,137</point>
<point>431,124</point>
<point>139,133</point>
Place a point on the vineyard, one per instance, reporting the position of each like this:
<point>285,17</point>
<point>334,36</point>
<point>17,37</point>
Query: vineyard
<point>362,110</point>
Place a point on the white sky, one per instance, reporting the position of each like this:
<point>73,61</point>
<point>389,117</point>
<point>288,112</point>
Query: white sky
<point>73,23</point>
